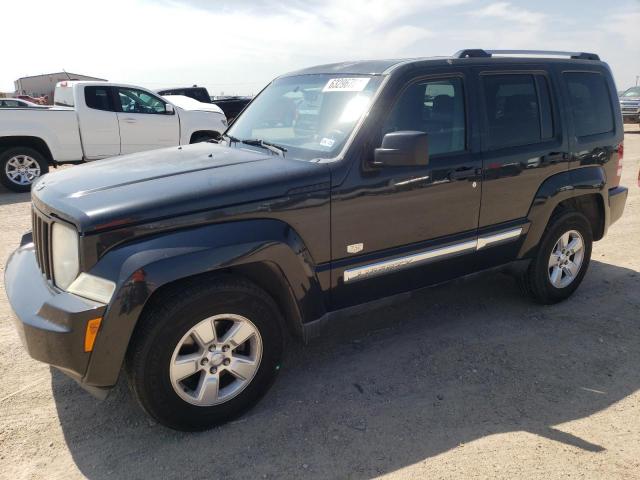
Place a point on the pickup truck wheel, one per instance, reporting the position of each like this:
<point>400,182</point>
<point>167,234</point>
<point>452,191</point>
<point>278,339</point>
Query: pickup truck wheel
<point>205,354</point>
<point>20,166</point>
<point>562,259</point>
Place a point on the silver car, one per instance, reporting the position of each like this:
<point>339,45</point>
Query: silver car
<point>630,105</point>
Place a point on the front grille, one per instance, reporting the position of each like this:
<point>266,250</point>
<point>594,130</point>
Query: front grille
<point>42,241</point>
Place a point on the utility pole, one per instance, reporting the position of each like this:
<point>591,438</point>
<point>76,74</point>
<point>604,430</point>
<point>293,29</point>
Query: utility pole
<point>637,77</point>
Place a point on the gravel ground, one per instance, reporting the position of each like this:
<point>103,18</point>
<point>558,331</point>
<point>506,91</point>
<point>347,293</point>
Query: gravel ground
<point>466,380</point>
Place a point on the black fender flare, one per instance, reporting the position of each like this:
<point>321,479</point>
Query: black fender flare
<point>139,268</point>
<point>556,189</point>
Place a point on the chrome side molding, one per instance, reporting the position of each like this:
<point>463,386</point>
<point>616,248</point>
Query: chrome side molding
<point>430,255</point>
<point>487,240</point>
<point>378,268</point>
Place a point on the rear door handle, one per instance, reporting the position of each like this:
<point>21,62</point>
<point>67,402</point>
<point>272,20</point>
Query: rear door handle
<point>464,173</point>
<point>130,120</point>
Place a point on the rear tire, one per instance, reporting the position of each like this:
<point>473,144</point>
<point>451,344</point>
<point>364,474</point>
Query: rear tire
<point>20,167</point>
<point>166,340</point>
<point>562,259</point>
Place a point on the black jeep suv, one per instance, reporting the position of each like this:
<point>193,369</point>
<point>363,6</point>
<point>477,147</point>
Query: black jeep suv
<point>339,185</point>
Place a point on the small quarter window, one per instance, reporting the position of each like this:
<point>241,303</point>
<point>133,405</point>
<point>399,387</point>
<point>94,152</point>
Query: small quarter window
<point>590,103</point>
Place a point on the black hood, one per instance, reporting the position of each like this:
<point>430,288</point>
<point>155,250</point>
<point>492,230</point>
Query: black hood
<point>169,182</point>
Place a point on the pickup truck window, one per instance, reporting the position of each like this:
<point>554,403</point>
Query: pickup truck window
<point>311,115</point>
<point>515,114</point>
<point>98,98</point>
<point>590,104</point>
<point>138,101</point>
<point>436,107</point>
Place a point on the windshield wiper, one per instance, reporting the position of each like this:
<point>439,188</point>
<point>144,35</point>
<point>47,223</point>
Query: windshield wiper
<point>280,150</point>
<point>231,138</point>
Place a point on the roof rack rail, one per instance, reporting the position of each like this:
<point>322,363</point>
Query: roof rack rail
<point>480,53</point>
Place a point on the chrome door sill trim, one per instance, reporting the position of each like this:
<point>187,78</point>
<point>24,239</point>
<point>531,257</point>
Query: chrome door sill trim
<point>379,268</point>
<point>400,263</point>
<point>487,240</point>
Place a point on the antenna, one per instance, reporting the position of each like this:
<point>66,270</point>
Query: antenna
<point>65,72</point>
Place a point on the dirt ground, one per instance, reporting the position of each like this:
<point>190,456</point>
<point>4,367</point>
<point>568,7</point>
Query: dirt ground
<point>466,380</point>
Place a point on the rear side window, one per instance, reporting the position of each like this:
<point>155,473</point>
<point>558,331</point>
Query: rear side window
<point>518,109</point>
<point>98,98</point>
<point>590,104</point>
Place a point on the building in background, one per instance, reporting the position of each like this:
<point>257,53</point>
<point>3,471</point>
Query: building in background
<point>43,86</point>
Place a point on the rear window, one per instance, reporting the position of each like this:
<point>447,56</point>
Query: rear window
<point>98,98</point>
<point>590,103</point>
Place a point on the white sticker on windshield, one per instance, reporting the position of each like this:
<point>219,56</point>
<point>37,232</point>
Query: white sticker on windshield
<point>327,142</point>
<point>346,84</point>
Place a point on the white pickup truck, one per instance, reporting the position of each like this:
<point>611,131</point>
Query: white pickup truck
<point>94,120</point>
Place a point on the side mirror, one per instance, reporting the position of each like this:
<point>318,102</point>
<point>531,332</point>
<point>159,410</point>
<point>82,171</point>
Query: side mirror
<point>168,109</point>
<point>404,148</point>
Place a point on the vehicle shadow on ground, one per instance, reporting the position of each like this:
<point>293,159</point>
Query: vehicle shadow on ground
<point>450,365</point>
<point>7,197</point>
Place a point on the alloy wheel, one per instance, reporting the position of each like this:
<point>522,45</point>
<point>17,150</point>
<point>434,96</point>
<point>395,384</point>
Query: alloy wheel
<point>216,360</point>
<point>566,259</point>
<point>22,169</point>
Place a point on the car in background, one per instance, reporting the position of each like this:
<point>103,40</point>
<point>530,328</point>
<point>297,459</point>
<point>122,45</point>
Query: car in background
<point>18,103</point>
<point>231,106</point>
<point>197,93</point>
<point>190,104</point>
<point>630,105</point>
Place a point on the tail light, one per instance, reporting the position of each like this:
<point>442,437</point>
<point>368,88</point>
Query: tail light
<point>619,169</point>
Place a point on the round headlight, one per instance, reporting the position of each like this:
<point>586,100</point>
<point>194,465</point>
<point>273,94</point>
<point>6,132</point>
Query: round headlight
<point>64,247</point>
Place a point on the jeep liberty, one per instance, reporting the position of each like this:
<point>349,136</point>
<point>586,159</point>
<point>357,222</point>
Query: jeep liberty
<point>339,185</point>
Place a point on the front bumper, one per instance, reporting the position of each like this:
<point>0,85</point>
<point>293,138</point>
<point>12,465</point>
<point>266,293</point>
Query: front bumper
<point>630,113</point>
<point>51,323</point>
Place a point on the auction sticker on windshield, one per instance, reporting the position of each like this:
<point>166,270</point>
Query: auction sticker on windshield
<point>346,84</point>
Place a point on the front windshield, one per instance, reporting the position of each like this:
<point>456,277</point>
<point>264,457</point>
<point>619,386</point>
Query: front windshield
<point>632,92</point>
<point>311,116</point>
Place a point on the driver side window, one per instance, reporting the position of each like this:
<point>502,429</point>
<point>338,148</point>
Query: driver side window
<point>138,101</point>
<point>435,107</point>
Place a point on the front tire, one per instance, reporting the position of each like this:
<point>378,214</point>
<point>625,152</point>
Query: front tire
<point>562,259</point>
<point>205,353</point>
<point>20,167</point>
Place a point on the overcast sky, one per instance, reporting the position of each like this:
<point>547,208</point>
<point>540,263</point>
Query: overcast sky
<point>237,46</point>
